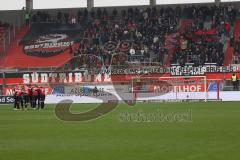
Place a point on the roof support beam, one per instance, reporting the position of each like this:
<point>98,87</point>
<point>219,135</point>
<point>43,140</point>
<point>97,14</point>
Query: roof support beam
<point>217,2</point>
<point>29,5</point>
<point>152,2</point>
<point>90,4</point>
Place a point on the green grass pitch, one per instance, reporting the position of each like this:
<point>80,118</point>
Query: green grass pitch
<point>213,134</point>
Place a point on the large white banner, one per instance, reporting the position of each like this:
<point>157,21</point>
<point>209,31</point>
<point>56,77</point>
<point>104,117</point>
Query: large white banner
<point>224,96</point>
<point>108,93</point>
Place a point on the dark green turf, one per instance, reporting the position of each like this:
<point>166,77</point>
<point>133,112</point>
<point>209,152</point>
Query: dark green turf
<point>214,134</point>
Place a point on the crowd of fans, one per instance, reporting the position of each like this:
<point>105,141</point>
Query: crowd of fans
<point>206,36</point>
<point>139,34</point>
<point>142,35</point>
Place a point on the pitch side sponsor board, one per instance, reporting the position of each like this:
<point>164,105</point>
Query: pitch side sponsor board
<point>6,100</point>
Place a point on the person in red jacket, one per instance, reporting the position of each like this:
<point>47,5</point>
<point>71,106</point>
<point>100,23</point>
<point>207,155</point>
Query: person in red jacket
<point>17,97</point>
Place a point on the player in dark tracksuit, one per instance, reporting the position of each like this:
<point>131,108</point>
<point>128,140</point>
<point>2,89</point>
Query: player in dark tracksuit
<point>30,96</point>
<point>42,97</point>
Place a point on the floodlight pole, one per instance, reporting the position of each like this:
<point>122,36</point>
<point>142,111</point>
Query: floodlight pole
<point>29,5</point>
<point>90,4</point>
<point>217,2</point>
<point>153,3</point>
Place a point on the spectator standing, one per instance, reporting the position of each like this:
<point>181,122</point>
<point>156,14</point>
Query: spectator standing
<point>27,18</point>
<point>234,80</point>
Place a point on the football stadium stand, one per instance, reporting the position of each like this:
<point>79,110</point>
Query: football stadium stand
<point>173,40</point>
<point>172,35</point>
<point>4,30</point>
<point>157,81</point>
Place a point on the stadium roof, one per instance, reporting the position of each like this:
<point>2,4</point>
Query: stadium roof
<point>46,4</point>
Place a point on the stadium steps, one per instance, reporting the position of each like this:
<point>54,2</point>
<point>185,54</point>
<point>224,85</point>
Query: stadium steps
<point>14,44</point>
<point>16,58</point>
<point>19,33</point>
<point>230,50</point>
<point>170,54</point>
<point>228,55</point>
<point>237,29</point>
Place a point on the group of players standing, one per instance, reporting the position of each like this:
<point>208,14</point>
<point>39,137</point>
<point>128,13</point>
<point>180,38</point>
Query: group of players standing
<point>33,95</point>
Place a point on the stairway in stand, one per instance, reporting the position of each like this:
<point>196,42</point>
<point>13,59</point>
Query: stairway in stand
<point>19,35</point>
<point>13,49</point>
<point>230,50</point>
